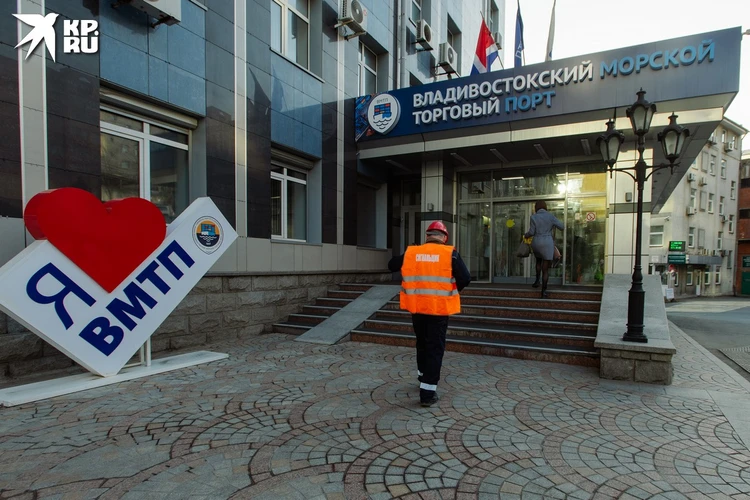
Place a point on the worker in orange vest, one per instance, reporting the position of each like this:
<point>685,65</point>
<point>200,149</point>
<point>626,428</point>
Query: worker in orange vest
<point>432,276</point>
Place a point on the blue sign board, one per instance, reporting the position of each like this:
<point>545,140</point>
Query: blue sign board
<point>692,66</point>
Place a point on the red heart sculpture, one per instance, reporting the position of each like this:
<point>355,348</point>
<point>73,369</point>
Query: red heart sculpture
<point>107,241</point>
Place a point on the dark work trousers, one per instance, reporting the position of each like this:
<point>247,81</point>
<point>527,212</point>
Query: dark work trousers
<point>430,331</point>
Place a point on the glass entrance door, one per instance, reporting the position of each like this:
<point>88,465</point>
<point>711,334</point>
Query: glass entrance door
<point>474,239</point>
<point>411,227</point>
<point>509,225</point>
<point>586,238</point>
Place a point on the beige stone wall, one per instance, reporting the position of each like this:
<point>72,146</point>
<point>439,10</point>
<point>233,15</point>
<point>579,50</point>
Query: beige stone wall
<point>218,308</point>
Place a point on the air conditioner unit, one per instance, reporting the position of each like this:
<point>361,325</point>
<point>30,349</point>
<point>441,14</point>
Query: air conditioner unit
<point>353,15</point>
<point>728,146</point>
<point>723,218</point>
<point>712,139</point>
<point>690,210</point>
<point>165,11</point>
<point>702,181</point>
<point>448,58</point>
<point>691,177</point>
<point>498,37</point>
<point>723,253</point>
<point>713,252</point>
<point>704,251</point>
<point>424,35</point>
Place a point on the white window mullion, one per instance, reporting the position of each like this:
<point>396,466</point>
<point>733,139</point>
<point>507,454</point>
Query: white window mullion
<point>284,196</point>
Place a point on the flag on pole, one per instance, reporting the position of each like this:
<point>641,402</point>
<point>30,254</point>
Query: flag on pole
<point>551,36</point>
<point>486,51</point>
<point>518,58</point>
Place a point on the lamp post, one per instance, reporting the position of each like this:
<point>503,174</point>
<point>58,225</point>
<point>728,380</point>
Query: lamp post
<point>672,139</point>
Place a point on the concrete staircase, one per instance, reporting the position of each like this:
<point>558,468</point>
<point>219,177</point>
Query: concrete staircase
<point>510,320</point>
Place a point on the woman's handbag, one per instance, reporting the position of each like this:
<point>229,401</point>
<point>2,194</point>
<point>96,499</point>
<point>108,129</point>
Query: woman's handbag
<point>524,249</point>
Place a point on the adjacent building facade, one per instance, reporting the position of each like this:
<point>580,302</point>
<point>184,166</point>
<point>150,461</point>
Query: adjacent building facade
<point>702,213</point>
<point>742,278</point>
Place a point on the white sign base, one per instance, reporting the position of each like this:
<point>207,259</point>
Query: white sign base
<point>38,391</point>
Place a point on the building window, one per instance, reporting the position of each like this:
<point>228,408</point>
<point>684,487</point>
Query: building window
<point>368,71</point>
<point>711,203</point>
<point>719,239</point>
<point>689,279</point>
<point>288,203</point>
<point>691,237</point>
<point>416,10</point>
<point>676,281</point>
<point>731,141</point>
<point>692,198</point>
<point>721,205</point>
<point>729,259</point>
<point>492,20</point>
<point>723,169</point>
<point>704,161</point>
<point>718,276</point>
<point>701,238</point>
<point>290,29</point>
<point>723,136</point>
<point>703,201</point>
<point>144,158</point>
<point>707,278</point>
<point>694,165</point>
<point>731,224</point>
<point>732,190</point>
<point>712,165</point>
<point>656,238</point>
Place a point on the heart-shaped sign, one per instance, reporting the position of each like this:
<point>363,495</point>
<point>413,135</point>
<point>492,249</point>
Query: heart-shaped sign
<point>107,241</point>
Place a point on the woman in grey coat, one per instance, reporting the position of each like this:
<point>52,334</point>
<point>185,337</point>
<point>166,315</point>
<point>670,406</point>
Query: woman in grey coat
<point>542,228</point>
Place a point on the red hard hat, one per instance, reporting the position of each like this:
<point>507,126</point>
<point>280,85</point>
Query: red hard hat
<point>438,226</point>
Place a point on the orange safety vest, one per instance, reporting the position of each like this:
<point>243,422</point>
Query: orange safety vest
<point>427,285</point>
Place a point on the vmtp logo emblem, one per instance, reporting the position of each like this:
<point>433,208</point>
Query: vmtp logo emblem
<point>383,113</point>
<point>208,234</point>
<point>79,36</point>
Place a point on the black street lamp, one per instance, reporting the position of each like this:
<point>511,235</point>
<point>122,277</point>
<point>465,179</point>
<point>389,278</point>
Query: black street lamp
<point>672,139</point>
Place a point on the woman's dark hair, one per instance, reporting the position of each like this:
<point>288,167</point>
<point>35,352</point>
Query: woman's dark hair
<point>541,204</point>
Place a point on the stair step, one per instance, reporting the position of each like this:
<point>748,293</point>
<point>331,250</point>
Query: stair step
<point>290,329</point>
<point>532,302</point>
<point>489,313</point>
<point>320,310</point>
<point>355,287</point>
<point>306,319</point>
<point>461,321</point>
<point>558,338</point>
<point>533,293</point>
<point>328,301</point>
<point>344,294</point>
<point>510,349</point>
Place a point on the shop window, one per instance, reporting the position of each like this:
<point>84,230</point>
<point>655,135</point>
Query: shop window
<point>691,237</point>
<point>368,71</point>
<point>711,203</point>
<point>721,205</point>
<point>290,29</point>
<point>144,158</point>
<point>689,279</point>
<point>733,190</point>
<point>288,202</point>
<point>656,238</point>
<point>719,239</point>
<point>723,169</point>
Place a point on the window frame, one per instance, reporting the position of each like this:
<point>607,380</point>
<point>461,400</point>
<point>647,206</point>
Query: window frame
<point>419,6</point>
<point>719,240</point>
<point>721,205</point>
<point>712,165</point>
<point>144,138</point>
<point>653,233</point>
<point>733,190</point>
<point>285,178</point>
<point>717,280</point>
<point>676,280</point>
<point>706,278</point>
<point>689,278</point>
<point>723,169</point>
<point>691,237</point>
<point>730,229</point>
<point>711,199</point>
<point>693,197</point>
<point>363,66</point>
<point>284,29</point>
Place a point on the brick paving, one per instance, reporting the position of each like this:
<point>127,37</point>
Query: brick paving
<point>284,419</point>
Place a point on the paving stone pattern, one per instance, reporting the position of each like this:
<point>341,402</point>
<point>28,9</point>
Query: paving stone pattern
<point>281,419</point>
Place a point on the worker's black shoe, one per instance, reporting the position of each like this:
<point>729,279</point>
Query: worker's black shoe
<point>430,400</point>
<point>536,284</point>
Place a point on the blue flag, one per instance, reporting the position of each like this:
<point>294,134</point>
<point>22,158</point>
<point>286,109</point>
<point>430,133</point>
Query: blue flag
<point>518,57</point>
